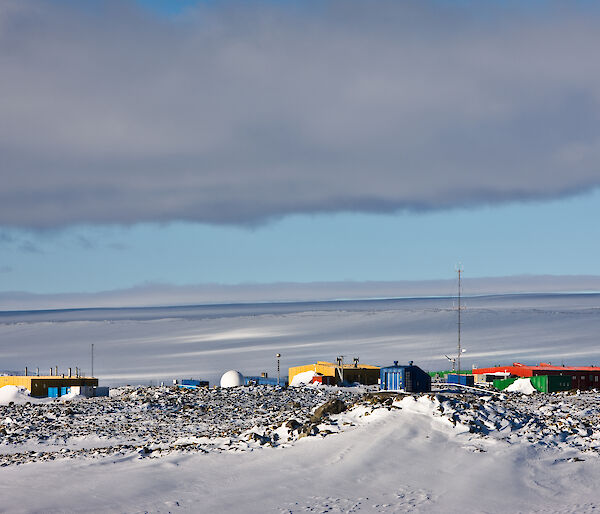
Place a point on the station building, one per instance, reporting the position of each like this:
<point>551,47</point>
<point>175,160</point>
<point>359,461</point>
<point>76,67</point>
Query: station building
<point>348,373</point>
<point>53,385</point>
<point>190,383</point>
<point>582,377</point>
<point>408,378</point>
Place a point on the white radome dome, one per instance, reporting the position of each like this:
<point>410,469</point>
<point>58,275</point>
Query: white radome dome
<point>232,378</point>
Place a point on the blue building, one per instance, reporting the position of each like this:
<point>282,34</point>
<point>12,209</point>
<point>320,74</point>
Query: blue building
<point>410,379</point>
<point>191,384</point>
<point>262,380</point>
<point>466,380</point>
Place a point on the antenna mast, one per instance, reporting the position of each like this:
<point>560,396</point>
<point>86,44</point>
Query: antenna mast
<point>459,271</point>
<point>92,359</point>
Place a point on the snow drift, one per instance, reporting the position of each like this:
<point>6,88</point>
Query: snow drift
<point>303,378</point>
<point>521,385</point>
<point>12,393</point>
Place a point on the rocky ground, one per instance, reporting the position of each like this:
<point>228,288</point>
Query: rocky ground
<point>555,420</point>
<point>152,421</point>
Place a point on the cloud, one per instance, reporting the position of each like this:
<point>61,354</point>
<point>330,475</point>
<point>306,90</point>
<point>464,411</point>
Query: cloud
<point>84,242</point>
<point>29,247</point>
<point>6,238</point>
<point>238,112</point>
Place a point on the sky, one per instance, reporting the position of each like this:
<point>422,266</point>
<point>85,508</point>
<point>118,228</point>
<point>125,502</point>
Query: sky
<point>229,142</point>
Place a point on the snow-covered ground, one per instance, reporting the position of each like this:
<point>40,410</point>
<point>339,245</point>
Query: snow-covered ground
<point>257,449</point>
<point>444,452</point>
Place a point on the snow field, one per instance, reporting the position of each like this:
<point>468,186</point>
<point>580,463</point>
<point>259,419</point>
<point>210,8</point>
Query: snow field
<point>386,453</point>
<point>134,346</point>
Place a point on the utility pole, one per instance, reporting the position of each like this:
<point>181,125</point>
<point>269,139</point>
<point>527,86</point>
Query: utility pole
<point>278,357</point>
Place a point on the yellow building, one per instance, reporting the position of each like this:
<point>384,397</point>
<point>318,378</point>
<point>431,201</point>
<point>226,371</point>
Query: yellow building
<point>54,385</point>
<point>361,373</point>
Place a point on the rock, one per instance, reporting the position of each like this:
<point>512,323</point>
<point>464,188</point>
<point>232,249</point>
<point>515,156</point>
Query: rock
<point>334,406</point>
<point>261,439</point>
<point>293,424</point>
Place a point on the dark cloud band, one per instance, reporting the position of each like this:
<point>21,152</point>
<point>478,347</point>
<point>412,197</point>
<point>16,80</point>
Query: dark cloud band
<point>236,113</point>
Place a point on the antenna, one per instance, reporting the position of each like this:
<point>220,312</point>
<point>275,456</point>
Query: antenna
<point>92,360</point>
<point>459,271</point>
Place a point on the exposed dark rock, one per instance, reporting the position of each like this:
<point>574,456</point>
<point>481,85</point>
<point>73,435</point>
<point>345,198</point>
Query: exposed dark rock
<point>334,406</point>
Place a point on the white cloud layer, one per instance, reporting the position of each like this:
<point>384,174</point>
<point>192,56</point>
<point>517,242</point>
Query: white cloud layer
<point>238,112</point>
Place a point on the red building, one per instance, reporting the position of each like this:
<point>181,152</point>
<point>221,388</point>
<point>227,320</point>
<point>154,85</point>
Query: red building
<point>584,377</point>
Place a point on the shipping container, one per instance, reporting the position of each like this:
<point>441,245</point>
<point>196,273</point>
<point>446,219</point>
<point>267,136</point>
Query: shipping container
<point>322,379</point>
<point>552,383</point>
<point>264,381</point>
<point>104,391</point>
<point>87,391</point>
<point>444,373</point>
<point>193,384</point>
<point>466,380</point>
<point>488,378</point>
<point>503,383</point>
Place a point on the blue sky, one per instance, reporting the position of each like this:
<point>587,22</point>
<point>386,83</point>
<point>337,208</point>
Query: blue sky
<point>558,237</point>
<point>260,142</point>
